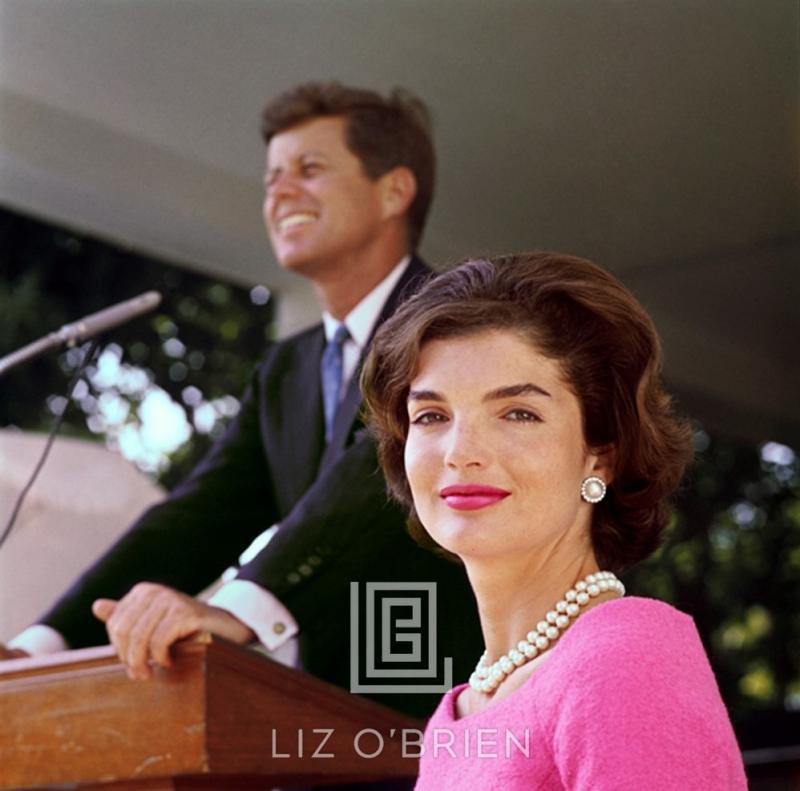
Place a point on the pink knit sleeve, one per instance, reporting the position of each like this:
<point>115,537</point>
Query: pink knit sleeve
<point>637,706</point>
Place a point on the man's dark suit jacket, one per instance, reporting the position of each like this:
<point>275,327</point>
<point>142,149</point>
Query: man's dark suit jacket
<point>336,523</point>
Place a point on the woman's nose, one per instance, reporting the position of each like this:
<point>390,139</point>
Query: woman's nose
<point>464,447</point>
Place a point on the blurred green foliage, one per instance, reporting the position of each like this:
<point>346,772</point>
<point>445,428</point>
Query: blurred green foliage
<point>732,561</point>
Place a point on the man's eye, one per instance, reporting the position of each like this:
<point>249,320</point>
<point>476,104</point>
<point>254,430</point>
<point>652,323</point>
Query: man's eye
<point>426,418</point>
<point>522,416</point>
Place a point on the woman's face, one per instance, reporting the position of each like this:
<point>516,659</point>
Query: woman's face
<point>495,453</point>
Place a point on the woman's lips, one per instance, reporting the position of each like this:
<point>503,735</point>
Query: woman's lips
<point>471,497</point>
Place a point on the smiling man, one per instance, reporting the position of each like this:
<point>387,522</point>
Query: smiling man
<point>348,185</point>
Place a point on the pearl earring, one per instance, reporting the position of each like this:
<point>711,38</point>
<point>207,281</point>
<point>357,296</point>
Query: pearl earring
<point>593,489</point>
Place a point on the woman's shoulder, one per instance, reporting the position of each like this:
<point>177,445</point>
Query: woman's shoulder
<point>635,647</point>
<point>632,619</point>
<point>639,607</point>
<point>631,678</point>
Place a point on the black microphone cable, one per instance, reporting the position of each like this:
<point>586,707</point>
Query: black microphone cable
<point>59,419</point>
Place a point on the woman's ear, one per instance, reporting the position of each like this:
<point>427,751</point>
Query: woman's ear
<point>603,462</point>
<point>399,188</point>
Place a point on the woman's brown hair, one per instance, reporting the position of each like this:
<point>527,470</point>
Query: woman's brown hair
<point>579,315</point>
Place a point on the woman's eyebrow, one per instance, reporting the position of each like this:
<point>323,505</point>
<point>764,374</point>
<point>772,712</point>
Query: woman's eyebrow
<point>511,391</point>
<point>424,395</point>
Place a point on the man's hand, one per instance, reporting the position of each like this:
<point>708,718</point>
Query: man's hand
<point>12,653</point>
<point>150,618</point>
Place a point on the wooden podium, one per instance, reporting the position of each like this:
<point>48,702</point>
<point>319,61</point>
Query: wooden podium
<point>221,717</point>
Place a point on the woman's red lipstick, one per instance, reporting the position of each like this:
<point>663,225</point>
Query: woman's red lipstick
<point>471,497</point>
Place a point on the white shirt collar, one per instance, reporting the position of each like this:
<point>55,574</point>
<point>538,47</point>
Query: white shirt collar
<point>361,319</point>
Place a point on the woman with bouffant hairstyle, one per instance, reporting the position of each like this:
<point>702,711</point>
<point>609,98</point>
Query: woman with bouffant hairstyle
<point>520,415</point>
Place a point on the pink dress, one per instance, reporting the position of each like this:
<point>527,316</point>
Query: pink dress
<point>626,701</point>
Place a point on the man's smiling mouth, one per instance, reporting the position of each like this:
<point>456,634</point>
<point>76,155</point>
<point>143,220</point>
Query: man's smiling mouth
<point>295,219</point>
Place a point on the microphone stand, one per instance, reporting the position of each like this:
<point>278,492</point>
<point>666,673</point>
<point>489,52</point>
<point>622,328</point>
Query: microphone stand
<point>31,351</point>
<point>5,531</point>
<point>70,335</point>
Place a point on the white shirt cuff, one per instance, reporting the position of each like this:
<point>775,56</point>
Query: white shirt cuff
<point>38,640</point>
<point>258,609</point>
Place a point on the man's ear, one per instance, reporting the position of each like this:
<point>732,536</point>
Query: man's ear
<point>398,190</point>
<point>604,462</point>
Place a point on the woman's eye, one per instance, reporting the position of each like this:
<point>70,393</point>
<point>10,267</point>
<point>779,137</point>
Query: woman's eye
<point>426,418</point>
<point>522,415</point>
<point>311,168</point>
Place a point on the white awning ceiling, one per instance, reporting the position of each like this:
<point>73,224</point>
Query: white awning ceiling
<point>658,138</point>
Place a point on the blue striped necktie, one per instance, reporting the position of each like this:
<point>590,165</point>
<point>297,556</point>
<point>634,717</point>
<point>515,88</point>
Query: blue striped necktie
<point>331,369</point>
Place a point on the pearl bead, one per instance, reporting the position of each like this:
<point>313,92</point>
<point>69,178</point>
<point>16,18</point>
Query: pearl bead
<point>583,597</point>
<point>603,585</point>
<point>580,586</point>
<point>521,645</point>
<point>551,616</point>
<point>516,657</point>
<point>552,633</point>
<point>593,590</point>
<point>591,578</point>
<point>505,664</point>
<point>542,642</point>
<point>562,622</point>
<point>530,651</point>
<point>573,609</point>
<point>561,606</point>
<point>570,595</point>
<point>531,636</point>
<point>593,490</point>
<point>541,627</point>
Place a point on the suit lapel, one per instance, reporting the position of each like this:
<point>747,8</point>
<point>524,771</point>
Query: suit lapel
<point>346,415</point>
<point>302,433</point>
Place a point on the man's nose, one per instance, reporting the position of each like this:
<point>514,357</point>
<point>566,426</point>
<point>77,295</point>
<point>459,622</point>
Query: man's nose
<point>282,185</point>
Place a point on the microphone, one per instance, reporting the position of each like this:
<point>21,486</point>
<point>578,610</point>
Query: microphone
<point>85,328</point>
<point>106,319</point>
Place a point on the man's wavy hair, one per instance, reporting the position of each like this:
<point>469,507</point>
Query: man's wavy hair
<point>577,314</point>
<point>383,133</point>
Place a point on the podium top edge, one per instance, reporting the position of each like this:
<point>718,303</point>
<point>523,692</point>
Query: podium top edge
<point>94,656</point>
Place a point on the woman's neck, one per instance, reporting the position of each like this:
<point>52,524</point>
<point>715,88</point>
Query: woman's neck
<point>514,594</point>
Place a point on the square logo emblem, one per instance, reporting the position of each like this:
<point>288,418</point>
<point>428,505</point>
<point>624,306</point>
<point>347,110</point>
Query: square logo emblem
<point>393,647</point>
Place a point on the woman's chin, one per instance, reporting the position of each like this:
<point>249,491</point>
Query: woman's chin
<point>465,543</point>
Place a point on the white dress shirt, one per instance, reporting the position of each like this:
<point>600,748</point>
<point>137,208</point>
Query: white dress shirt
<point>253,605</point>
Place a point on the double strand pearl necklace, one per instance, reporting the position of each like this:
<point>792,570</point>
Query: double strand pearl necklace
<point>486,678</point>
